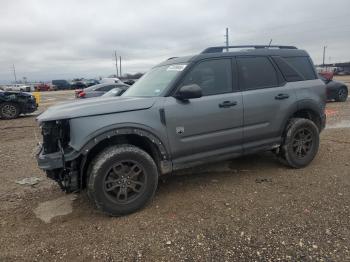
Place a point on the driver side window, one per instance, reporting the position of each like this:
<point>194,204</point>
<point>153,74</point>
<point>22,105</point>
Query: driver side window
<point>213,76</point>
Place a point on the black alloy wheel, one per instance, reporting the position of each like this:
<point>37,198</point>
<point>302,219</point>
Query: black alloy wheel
<point>342,94</point>
<point>302,142</point>
<point>9,110</point>
<point>125,181</point>
<point>122,179</point>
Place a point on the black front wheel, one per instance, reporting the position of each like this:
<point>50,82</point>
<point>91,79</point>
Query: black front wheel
<point>342,94</point>
<point>122,179</point>
<point>300,142</point>
<point>9,110</point>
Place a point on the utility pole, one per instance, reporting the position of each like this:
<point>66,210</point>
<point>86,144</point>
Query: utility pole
<point>324,55</point>
<point>120,65</point>
<point>14,73</point>
<point>116,62</point>
<point>226,39</point>
<point>270,42</point>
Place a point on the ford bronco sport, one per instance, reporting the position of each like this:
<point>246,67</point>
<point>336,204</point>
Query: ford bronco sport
<point>222,103</point>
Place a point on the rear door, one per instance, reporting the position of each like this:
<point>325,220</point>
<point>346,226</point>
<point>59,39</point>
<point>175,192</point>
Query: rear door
<point>209,125</point>
<point>267,101</point>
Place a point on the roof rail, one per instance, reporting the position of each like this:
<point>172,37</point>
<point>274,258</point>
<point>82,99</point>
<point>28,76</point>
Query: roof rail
<point>220,49</point>
<point>172,57</point>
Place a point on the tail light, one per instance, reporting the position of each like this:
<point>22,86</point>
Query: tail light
<point>81,94</point>
<point>77,92</point>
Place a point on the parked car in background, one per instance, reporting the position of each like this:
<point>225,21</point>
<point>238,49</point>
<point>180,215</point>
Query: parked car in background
<point>61,84</point>
<point>129,82</point>
<point>336,90</point>
<point>111,80</point>
<point>12,104</point>
<point>78,84</point>
<point>42,87</point>
<point>19,87</point>
<point>118,91</point>
<point>98,90</point>
<point>91,82</point>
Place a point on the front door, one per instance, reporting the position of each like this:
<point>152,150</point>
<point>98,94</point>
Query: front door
<point>210,125</point>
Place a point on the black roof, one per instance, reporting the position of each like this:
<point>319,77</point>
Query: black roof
<point>219,51</point>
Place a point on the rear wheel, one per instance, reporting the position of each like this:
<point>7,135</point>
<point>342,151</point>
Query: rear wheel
<point>300,143</point>
<point>9,110</point>
<point>342,94</point>
<point>122,179</point>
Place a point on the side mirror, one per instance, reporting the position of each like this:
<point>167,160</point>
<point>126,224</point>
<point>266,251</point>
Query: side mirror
<point>188,92</point>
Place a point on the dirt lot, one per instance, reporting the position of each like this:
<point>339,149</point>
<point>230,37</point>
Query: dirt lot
<point>247,209</point>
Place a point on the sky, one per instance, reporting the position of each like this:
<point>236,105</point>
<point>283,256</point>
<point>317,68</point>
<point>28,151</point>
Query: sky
<point>65,39</point>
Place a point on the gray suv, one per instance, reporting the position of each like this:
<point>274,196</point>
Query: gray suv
<point>220,104</point>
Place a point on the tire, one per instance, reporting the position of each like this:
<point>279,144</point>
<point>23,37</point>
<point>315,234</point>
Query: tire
<point>300,143</point>
<point>9,110</point>
<point>342,94</point>
<point>122,180</point>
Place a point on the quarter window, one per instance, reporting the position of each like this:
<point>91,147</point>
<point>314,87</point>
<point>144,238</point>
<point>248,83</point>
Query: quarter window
<point>256,73</point>
<point>105,88</point>
<point>214,77</point>
<point>303,66</point>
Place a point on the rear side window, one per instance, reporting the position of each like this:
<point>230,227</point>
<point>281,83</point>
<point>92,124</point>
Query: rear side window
<point>105,88</point>
<point>256,73</point>
<point>303,66</point>
<point>287,70</point>
<point>213,76</point>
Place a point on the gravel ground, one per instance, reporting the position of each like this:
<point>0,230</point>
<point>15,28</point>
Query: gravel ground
<point>247,209</point>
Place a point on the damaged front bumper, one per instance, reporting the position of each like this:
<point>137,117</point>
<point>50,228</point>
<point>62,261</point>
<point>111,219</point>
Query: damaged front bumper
<point>57,158</point>
<point>61,167</point>
<point>54,160</point>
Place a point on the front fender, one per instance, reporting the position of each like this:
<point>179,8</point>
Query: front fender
<point>116,130</point>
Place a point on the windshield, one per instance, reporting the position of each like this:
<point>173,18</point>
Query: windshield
<point>113,92</point>
<point>155,81</point>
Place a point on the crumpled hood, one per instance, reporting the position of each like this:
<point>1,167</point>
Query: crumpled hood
<point>95,106</point>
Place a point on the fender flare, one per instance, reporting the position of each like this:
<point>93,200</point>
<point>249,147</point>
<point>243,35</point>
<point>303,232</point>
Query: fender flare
<point>306,104</point>
<point>117,131</point>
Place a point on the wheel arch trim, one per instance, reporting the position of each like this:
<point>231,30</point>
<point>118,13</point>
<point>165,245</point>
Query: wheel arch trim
<point>306,104</point>
<point>119,131</point>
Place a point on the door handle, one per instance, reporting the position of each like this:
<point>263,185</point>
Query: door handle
<point>281,96</point>
<point>226,104</point>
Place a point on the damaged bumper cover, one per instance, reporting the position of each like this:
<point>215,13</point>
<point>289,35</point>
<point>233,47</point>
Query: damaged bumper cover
<point>54,164</point>
<point>55,160</point>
